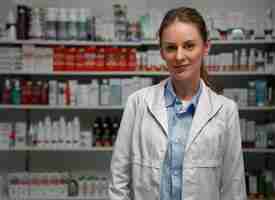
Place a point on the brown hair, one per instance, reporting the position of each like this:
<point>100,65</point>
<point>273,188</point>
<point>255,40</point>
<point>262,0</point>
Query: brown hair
<point>187,15</point>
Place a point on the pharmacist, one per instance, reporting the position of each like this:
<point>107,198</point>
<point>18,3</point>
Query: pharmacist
<point>179,140</point>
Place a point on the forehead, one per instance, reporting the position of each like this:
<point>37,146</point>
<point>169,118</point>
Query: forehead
<point>180,31</point>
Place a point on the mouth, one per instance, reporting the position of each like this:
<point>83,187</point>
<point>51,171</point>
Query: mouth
<point>181,68</point>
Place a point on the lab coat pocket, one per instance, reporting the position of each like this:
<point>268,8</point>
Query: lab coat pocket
<point>190,183</point>
<point>208,177</point>
<point>146,175</point>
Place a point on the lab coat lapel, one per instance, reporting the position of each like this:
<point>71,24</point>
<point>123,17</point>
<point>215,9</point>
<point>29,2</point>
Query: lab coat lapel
<point>207,107</point>
<point>156,105</point>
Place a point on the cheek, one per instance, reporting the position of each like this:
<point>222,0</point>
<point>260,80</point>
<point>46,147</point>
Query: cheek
<point>197,57</point>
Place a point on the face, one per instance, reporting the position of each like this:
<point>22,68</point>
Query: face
<point>183,48</point>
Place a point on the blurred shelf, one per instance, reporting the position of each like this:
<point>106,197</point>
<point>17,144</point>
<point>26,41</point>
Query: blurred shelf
<point>258,150</point>
<point>257,108</point>
<point>68,43</point>
<point>110,149</point>
<point>49,107</point>
<point>240,73</point>
<point>96,149</point>
<point>134,73</point>
<point>60,198</point>
<point>121,43</point>
<point>91,73</point>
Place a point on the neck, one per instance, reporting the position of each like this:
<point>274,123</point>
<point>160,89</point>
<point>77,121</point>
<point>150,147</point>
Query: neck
<point>185,90</point>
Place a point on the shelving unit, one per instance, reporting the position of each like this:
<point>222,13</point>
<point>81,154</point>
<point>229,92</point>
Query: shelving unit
<point>103,154</point>
<point>62,198</point>
<point>119,43</point>
<point>133,73</point>
<point>110,149</point>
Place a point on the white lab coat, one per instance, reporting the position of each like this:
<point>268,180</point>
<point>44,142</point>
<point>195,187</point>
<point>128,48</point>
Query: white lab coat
<point>213,166</point>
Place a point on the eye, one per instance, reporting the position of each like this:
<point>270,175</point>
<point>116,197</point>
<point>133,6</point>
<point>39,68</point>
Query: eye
<point>189,46</point>
<point>169,48</point>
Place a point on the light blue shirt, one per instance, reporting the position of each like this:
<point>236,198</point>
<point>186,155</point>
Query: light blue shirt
<point>179,123</point>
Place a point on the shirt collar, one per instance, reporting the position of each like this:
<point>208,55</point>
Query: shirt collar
<point>171,97</point>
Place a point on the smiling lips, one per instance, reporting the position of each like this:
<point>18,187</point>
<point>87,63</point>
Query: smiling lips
<point>180,68</point>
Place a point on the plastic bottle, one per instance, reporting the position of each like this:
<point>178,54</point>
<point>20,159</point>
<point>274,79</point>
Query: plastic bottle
<point>6,94</point>
<point>252,60</point>
<point>51,23</point>
<point>115,126</point>
<point>22,20</point>
<point>82,25</point>
<point>36,27</point>
<point>236,60</point>
<point>72,24</point>
<point>97,131</point>
<point>107,138</point>
<point>260,64</point>
<point>62,25</point>
<point>243,60</point>
<point>16,93</point>
<point>76,131</point>
<point>11,26</point>
<point>251,93</point>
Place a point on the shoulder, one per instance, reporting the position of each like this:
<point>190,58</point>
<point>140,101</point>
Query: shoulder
<point>146,94</point>
<point>229,106</point>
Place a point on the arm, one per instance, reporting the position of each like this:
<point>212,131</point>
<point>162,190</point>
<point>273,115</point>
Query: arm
<point>119,187</point>
<point>233,181</point>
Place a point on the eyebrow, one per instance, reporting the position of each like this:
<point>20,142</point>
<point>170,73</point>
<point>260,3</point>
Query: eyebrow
<point>172,43</point>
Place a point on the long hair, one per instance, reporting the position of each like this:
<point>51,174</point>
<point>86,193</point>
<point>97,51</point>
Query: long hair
<point>187,15</point>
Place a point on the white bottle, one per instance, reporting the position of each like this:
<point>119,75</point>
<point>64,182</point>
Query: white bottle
<point>104,92</point>
<point>76,132</point>
<point>236,60</point>
<point>93,93</point>
<point>260,64</point>
<point>243,60</point>
<point>40,135</point>
<point>69,135</point>
<point>48,132</point>
<point>11,23</point>
<point>72,24</point>
<point>252,60</point>
<point>36,28</point>
<point>62,133</point>
<point>55,135</point>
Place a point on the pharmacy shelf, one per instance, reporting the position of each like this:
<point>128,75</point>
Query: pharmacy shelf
<point>60,198</point>
<point>258,150</point>
<point>135,73</point>
<point>97,149</point>
<point>68,43</point>
<point>92,73</point>
<point>222,42</point>
<point>50,107</point>
<point>257,108</point>
<point>237,42</point>
<point>110,149</point>
<point>241,73</point>
<point>121,43</point>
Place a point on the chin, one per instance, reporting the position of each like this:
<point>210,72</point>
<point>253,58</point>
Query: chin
<point>181,76</point>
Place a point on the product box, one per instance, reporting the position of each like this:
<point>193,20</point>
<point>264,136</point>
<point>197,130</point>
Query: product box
<point>115,90</point>
<point>5,132</point>
<point>20,130</point>
<point>28,62</point>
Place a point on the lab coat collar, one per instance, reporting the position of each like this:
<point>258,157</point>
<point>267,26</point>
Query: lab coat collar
<point>206,108</point>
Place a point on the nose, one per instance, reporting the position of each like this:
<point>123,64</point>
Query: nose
<point>180,54</point>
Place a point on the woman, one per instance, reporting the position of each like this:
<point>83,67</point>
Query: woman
<point>179,139</point>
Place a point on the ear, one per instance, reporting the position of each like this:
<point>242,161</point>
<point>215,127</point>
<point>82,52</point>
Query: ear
<point>207,46</point>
